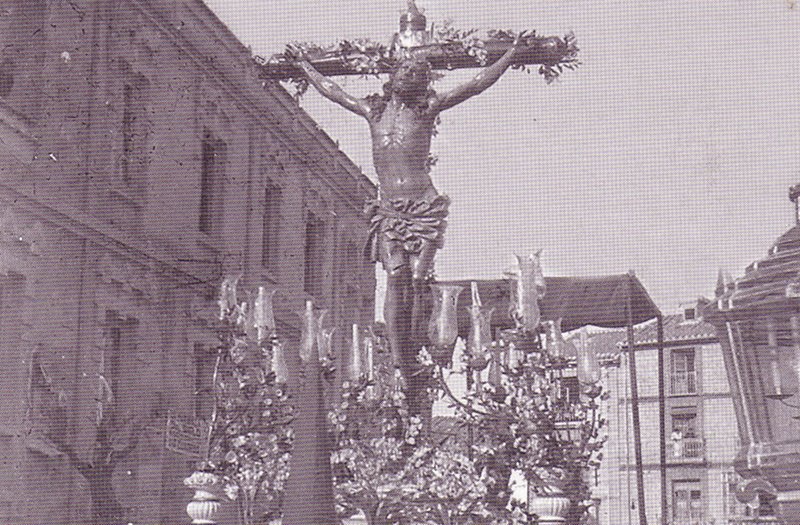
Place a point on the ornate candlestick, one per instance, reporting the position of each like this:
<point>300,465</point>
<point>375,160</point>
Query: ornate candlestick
<point>443,325</point>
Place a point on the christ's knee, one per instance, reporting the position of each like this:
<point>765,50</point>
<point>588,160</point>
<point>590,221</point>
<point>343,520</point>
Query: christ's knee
<point>397,265</point>
<point>398,272</point>
<point>422,263</point>
<point>419,285</point>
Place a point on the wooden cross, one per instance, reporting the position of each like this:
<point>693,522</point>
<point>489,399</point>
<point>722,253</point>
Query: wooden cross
<point>414,38</point>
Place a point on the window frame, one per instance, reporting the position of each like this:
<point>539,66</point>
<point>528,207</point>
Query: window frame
<point>694,506</point>
<point>315,240</point>
<point>212,183</point>
<point>135,130</point>
<point>683,379</point>
<point>270,224</point>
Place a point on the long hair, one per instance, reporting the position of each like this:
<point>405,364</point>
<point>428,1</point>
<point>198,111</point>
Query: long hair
<point>378,102</point>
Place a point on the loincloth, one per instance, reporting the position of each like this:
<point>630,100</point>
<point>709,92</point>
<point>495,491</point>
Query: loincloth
<point>407,222</point>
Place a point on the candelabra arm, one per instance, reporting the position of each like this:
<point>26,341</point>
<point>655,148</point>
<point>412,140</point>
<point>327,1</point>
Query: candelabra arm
<point>470,409</point>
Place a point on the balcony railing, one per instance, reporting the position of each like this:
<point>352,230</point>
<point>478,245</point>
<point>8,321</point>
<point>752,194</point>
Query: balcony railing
<point>762,520</point>
<point>684,382</point>
<point>688,448</point>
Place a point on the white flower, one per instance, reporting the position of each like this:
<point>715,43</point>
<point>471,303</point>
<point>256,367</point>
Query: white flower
<point>232,491</point>
<point>200,479</point>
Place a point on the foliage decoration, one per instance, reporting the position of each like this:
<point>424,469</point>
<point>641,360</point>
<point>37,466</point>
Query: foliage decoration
<point>449,47</point>
<point>393,469</point>
<point>399,468</point>
<point>529,422</point>
<point>250,438</point>
<point>455,41</point>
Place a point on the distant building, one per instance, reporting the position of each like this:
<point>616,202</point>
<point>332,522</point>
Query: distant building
<point>140,161</point>
<point>757,317</point>
<point>701,439</point>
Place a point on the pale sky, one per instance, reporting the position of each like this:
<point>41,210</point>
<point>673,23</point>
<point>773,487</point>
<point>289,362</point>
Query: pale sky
<point>668,152</point>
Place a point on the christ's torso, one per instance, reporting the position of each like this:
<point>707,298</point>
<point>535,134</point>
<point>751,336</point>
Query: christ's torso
<point>401,142</point>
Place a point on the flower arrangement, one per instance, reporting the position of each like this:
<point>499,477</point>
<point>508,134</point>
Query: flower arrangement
<point>250,437</point>
<point>402,467</point>
<point>528,409</point>
<point>390,467</point>
<point>201,479</point>
<point>528,422</point>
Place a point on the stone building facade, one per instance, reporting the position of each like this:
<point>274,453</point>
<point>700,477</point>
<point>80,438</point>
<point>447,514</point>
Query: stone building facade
<point>140,161</point>
<point>701,438</point>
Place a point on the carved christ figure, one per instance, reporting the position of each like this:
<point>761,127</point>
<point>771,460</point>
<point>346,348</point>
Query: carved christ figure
<point>408,218</point>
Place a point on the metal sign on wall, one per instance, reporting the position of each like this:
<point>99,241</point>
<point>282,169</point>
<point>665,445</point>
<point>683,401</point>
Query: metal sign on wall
<point>185,438</point>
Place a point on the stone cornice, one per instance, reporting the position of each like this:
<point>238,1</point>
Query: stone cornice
<point>672,343</point>
<point>702,396</point>
<point>82,225</point>
<point>695,465</point>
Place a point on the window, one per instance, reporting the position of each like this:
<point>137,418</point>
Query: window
<point>271,225</point>
<point>352,260</point>
<point>689,314</point>
<point>349,275</point>
<point>685,423</point>
<point>118,355</point>
<point>134,130</point>
<point>685,437</point>
<point>212,173</point>
<point>112,362</point>
<point>314,255</point>
<point>687,503</point>
<point>684,376</point>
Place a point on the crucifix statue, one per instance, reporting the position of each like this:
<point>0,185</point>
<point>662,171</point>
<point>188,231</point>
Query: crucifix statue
<point>408,219</point>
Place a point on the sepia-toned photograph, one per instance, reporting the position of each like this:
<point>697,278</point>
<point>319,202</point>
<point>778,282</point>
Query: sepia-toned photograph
<point>399,262</point>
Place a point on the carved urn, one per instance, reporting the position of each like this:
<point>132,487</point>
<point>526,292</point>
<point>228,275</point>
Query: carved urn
<point>205,503</point>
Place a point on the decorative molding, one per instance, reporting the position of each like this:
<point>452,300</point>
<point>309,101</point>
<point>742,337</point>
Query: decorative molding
<point>83,226</point>
<point>128,276</point>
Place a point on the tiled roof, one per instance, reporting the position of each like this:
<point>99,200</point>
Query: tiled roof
<point>676,330</point>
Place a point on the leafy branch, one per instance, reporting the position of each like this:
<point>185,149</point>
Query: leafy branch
<point>368,58</point>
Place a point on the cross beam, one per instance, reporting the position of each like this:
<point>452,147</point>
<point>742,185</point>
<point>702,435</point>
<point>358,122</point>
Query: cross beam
<point>548,51</point>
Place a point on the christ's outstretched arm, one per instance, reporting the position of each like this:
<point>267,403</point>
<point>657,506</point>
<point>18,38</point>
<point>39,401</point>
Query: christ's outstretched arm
<point>332,91</point>
<point>488,76</point>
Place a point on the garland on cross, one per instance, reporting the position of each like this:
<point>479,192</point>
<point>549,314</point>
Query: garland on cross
<point>444,46</point>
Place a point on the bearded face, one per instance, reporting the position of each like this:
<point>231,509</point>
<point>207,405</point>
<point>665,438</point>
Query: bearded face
<point>411,79</point>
